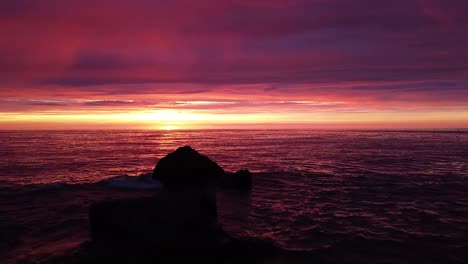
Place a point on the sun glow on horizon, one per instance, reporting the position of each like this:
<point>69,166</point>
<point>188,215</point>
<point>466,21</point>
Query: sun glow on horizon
<point>170,119</point>
<point>169,127</point>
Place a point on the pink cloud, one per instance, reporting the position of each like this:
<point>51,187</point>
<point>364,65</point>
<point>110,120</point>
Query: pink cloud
<point>260,55</point>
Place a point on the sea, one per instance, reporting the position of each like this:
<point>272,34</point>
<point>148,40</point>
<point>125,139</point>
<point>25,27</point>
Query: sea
<point>350,196</point>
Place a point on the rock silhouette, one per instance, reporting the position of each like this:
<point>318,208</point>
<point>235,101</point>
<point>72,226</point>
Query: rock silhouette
<point>240,180</point>
<point>186,168</point>
<point>178,221</point>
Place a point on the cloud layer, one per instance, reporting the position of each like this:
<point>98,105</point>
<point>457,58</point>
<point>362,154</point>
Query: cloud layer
<point>253,55</point>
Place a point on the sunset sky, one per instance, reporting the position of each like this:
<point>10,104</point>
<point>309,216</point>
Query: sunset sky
<point>182,64</point>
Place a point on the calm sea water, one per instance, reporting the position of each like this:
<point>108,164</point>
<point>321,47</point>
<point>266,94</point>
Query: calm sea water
<point>383,194</point>
<point>33,157</point>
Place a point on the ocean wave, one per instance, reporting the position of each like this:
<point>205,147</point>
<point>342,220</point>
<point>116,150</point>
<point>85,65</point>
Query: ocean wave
<point>140,182</point>
<point>18,188</point>
<point>144,182</point>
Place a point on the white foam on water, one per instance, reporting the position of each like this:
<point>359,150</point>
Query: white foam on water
<point>144,182</point>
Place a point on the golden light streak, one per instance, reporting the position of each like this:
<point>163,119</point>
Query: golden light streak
<point>193,119</point>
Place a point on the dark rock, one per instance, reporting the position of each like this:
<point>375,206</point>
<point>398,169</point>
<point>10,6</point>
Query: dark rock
<point>186,168</point>
<point>235,250</point>
<point>182,215</point>
<point>166,228</point>
<point>167,220</point>
<point>120,220</point>
<point>179,221</point>
<point>240,180</point>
